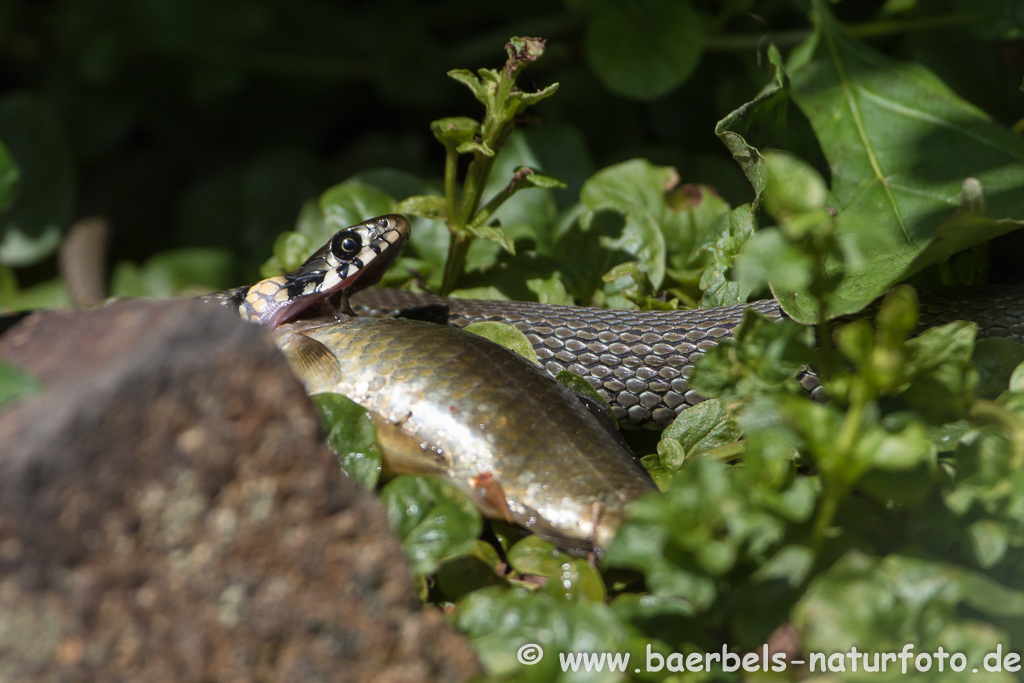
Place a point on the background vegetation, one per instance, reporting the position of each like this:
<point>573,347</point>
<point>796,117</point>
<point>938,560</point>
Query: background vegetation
<point>839,147</point>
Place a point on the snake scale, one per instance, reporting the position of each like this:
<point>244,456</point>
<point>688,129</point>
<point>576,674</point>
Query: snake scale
<point>640,361</point>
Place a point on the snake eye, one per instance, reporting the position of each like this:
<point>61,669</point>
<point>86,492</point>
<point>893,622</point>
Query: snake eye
<point>345,244</point>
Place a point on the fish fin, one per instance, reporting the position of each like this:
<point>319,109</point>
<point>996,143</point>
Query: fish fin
<point>402,454</point>
<point>311,361</point>
<point>490,497</point>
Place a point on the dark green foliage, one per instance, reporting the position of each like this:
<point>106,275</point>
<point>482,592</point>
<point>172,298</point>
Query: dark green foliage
<point>876,138</point>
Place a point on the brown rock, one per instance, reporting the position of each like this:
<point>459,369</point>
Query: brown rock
<point>168,513</point>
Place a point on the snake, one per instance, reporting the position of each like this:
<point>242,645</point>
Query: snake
<point>640,362</point>
<point>449,403</point>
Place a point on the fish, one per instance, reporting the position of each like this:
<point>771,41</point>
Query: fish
<point>446,402</point>
<point>450,403</point>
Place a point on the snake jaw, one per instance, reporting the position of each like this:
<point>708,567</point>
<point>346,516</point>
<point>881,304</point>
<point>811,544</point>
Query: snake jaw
<point>353,259</point>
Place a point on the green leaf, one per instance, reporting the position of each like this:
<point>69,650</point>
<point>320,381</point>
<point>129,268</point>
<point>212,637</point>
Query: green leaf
<point>582,386</point>
<point>524,213</point>
<point>49,294</point>
<point>550,290</point>
<point>174,272</point>
<point>528,99</point>
<point>428,206</point>
<point>575,580</point>
<point>996,359</point>
<point>494,234</point>
<point>1017,379</point>
<point>524,177</point>
<point>505,335</point>
<point>641,292</point>
<point>352,436</point>
<point>15,384</point>
<point>455,130</point>
<point>989,540</point>
<point>10,176</point>
<point>720,289</point>
<point>700,428</point>
<point>470,571</point>
<point>348,203</point>
<point>533,555</point>
<point>764,356</point>
<point>475,85</point>
<point>879,605</point>
<point>428,242</point>
<point>771,120</point>
<point>769,257</point>
<point>906,151</point>
<point>644,48</point>
<point>636,189</point>
<point>942,378</point>
<point>792,185</point>
<point>474,147</point>
<point>661,476</point>
<point>32,225</point>
<point>291,249</point>
<point>433,518</point>
<point>499,622</point>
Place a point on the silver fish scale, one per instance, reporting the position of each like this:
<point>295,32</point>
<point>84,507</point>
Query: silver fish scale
<point>640,361</point>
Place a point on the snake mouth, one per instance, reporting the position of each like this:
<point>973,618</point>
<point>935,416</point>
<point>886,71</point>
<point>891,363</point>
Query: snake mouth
<point>331,274</point>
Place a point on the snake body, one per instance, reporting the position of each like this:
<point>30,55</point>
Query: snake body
<point>454,404</point>
<point>640,361</point>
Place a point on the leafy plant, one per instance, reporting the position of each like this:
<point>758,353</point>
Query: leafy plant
<point>877,146</point>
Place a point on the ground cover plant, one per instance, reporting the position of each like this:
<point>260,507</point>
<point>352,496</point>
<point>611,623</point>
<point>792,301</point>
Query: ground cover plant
<point>891,515</point>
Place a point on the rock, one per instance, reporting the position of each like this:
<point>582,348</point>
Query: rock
<point>168,512</point>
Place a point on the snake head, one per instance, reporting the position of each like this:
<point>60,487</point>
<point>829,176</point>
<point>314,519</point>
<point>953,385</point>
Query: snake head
<point>353,259</point>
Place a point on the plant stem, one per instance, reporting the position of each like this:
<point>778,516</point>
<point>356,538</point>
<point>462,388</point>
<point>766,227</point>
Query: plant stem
<point>456,262</point>
<point>491,206</point>
<point>752,41</point>
<point>451,168</point>
<point>823,520</point>
<point>473,188</point>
